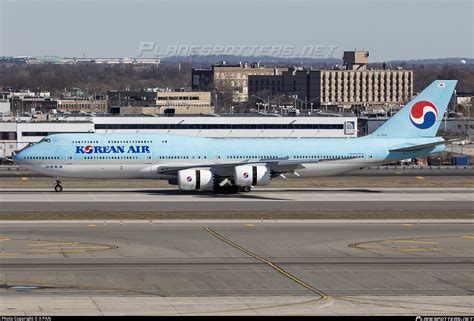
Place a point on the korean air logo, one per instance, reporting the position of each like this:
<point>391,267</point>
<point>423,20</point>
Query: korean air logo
<point>88,149</point>
<point>423,114</point>
<point>189,179</point>
<point>113,149</point>
<point>245,175</point>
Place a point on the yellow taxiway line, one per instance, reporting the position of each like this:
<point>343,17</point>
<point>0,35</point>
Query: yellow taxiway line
<point>272,265</point>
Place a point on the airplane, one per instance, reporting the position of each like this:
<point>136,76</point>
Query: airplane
<point>230,165</point>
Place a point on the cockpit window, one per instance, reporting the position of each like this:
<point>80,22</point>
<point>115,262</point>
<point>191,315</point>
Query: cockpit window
<point>45,140</point>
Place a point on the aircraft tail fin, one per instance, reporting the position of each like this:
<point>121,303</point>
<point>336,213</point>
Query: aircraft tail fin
<point>422,116</point>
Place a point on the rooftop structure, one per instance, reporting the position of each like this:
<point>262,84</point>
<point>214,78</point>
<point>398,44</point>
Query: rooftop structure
<point>160,102</point>
<point>234,78</point>
<point>355,60</point>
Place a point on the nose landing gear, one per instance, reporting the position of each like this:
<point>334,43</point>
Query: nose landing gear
<point>57,186</point>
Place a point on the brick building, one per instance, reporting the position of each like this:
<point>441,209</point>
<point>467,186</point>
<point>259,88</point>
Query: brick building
<point>351,84</point>
<point>230,77</point>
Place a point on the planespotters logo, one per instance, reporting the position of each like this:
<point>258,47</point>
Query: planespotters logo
<point>423,114</point>
<point>444,318</point>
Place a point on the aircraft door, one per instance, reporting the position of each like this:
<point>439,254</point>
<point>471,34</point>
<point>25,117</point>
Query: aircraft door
<point>69,159</point>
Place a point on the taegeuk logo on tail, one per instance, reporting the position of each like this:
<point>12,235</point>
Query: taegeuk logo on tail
<point>423,114</point>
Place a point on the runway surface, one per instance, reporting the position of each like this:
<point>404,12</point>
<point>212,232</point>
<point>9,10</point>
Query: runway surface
<point>260,199</point>
<point>241,268</point>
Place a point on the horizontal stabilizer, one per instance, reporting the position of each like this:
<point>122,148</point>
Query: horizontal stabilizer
<point>422,146</point>
<point>6,159</point>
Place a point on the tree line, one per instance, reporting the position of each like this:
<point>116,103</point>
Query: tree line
<point>97,78</point>
<point>92,78</point>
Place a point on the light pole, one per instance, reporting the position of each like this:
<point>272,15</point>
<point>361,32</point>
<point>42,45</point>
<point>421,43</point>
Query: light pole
<point>306,102</point>
<point>468,127</point>
<point>262,99</point>
<point>311,103</point>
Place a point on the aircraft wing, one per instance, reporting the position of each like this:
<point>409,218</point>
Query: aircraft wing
<point>290,165</point>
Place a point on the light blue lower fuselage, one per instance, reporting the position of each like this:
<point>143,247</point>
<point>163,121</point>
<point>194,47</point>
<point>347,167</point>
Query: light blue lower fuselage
<point>139,155</point>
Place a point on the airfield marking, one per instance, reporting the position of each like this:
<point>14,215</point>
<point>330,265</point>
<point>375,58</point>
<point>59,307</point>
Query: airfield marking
<point>322,295</point>
<point>406,245</point>
<point>53,246</point>
<point>410,241</point>
<point>420,249</point>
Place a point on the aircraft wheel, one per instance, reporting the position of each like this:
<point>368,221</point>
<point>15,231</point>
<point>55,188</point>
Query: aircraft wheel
<point>58,188</point>
<point>246,189</point>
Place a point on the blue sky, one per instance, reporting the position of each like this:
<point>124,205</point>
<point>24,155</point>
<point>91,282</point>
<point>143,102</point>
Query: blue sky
<point>388,29</point>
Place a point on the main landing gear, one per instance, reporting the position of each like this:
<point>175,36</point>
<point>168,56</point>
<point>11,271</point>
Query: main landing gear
<point>57,186</point>
<point>231,189</point>
<point>225,185</point>
<point>246,189</point>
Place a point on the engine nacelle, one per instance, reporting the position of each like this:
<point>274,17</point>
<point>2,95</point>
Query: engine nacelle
<point>251,175</point>
<point>192,179</point>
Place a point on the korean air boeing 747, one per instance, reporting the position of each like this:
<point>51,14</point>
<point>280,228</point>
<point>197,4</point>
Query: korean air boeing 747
<point>237,164</point>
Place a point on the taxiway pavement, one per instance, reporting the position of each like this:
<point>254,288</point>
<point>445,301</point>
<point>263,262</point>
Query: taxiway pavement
<point>260,199</point>
<point>236,268</point>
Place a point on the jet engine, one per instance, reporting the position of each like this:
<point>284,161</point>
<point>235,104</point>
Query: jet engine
<point>251,175</point>
<point>192,179</point>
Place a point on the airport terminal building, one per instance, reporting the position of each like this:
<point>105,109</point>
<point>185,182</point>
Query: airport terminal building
<point>15,135</point>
